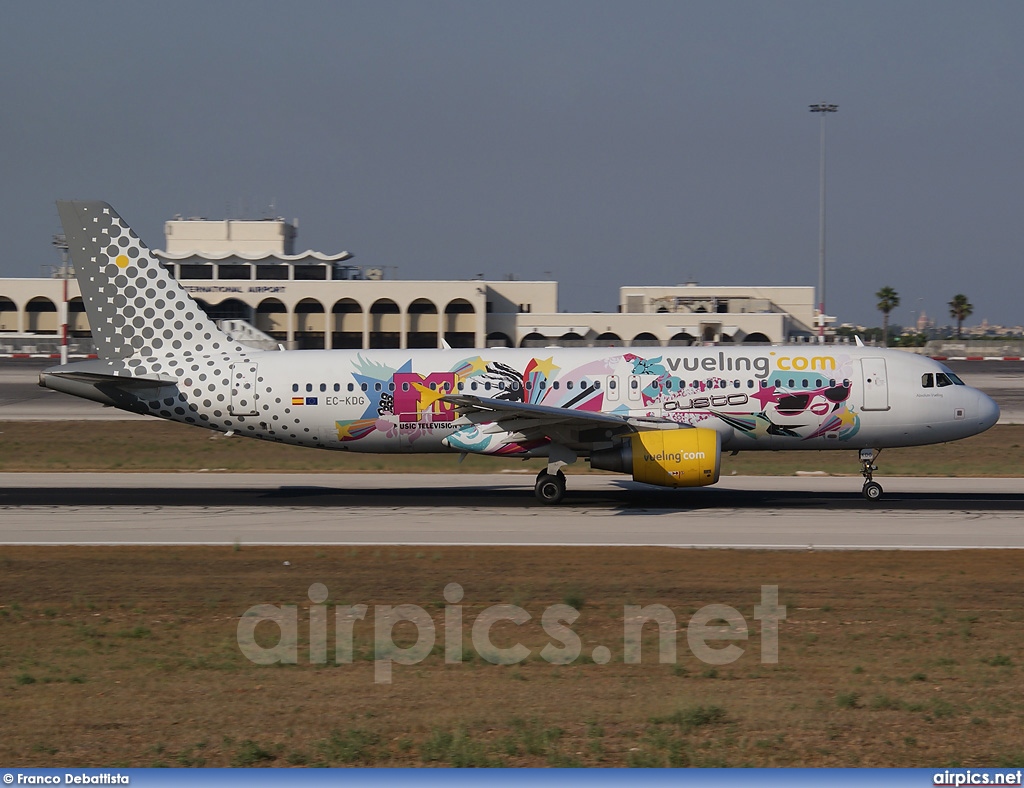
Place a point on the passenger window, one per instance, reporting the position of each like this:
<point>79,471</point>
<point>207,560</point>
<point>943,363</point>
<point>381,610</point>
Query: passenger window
<point>351,387</point>
<point>806,384</point>
<point>391,386</point>
<point>569,385</point>
<point>405,387</point>
<point>376,386</point>
<point>363,386</point>
<point>487,386</point>
<point>555,385</point>
<point>792,383</point>
<point>597,385</point>
<point>309,387</point>
<point>633,384</point>
<point>613,384</point>
<point>461,385</point>
<point>337,387</point>
<point>295,386</point>
<point>942,380</point>
<point>927,381</point>
<point>323,387</point>
<point>473,386</point>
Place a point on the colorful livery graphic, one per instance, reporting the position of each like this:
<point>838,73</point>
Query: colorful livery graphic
<point>662,415</point>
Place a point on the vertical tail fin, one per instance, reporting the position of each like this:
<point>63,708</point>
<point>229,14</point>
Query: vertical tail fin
<point>135,306</point>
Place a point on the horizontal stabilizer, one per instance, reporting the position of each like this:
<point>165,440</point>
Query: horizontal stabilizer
<point>119,381</point>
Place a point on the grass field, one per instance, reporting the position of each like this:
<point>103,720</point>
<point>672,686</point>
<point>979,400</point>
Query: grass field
<point>128,657</point>
<point>165,446</point>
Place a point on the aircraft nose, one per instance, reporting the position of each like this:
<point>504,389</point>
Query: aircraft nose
<point>988,411</point>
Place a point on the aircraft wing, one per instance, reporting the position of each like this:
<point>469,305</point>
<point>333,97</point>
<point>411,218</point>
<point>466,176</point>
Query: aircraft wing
<point>509,416</point>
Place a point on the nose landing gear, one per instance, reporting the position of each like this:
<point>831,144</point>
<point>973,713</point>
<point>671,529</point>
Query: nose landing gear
<point>872,490</point>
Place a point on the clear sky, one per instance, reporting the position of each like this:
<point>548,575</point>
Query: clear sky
<point>597,143</point>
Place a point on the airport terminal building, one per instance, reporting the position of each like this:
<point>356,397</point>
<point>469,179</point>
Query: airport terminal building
<point>248,274</point>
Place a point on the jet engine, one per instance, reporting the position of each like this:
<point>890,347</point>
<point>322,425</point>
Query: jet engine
<point>667,458</point>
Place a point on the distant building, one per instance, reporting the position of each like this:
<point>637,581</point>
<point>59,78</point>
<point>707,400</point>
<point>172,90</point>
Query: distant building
<point>248,272</point>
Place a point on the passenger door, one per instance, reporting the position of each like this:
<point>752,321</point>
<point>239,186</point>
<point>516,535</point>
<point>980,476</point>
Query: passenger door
<point>243,390</point>
<point>876,384</point>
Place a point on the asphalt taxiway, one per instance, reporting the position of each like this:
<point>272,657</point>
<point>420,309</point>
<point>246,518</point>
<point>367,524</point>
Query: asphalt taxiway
<point>498,509</point>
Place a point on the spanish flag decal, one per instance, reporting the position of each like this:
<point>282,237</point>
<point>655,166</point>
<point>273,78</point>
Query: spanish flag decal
<point>298,401</point>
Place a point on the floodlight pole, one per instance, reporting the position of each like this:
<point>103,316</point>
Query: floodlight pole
<point>61,243</point>
<point>823,109</point>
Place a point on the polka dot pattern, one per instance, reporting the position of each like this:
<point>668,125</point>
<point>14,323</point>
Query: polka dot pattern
<point>145,325</point>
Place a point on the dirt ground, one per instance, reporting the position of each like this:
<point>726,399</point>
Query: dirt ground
<point>128,656</point>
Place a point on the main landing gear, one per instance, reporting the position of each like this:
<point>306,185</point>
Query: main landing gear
<point>872,490</point>
<point>550,488</point>
<point>550,485</point>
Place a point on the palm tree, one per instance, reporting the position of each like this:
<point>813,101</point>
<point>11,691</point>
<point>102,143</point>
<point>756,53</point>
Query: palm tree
<point>960,309</point>
<point>888,300</point>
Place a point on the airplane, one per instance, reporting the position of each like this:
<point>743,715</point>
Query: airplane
<point>663,415</point>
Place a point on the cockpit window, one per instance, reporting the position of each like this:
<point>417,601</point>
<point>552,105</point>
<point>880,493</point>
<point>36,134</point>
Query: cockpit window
<point>927,380</point>
<point>942,380</point>
<point>955,379</point>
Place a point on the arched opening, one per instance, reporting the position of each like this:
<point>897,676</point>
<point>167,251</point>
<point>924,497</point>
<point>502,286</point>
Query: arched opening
<point>78,320</point>
<point>645,339</point>
<point>8,314</point>
<point>422,322</point>
<point>725,338</point>
<point>708,333</point>
<point>385,324</point>
<point>271,318</point>
<point>498,339</point>
<point>681,339</point>
<point>608,339</point>
<point>42,316</point>
<point>310,324</point>
<point>460,323</point>
<point>229,309</point>
<point>534,340</point>
<point>571,339</point>
<point>347,316</point>
<point>756,338</point>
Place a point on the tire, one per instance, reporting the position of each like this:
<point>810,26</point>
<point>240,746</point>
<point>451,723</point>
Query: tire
<point>544,473</point>
<point>550,489</point>
<point>872,491</point>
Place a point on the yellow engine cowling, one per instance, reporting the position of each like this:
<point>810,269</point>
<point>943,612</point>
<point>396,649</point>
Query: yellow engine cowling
<point>667,458</point>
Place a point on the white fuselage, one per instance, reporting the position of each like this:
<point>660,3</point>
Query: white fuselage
<point>755,397</point>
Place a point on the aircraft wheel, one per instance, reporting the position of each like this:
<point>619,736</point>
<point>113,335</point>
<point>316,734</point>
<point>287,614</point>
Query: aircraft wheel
<point>544,472</point>
<point>550,489</point>
<point>872,491</point>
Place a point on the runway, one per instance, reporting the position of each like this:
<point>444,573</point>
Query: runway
<point>495,509</point>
